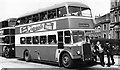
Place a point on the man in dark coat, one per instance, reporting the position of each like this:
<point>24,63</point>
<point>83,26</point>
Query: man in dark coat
<point>109,51</point>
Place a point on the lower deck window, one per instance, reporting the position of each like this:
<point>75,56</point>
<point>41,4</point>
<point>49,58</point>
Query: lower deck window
<point>28,40</point>
<point>52,39</point>
<point>22,40</point>
<point>43,39</point>
<point>35,40</point>
<point>67,37</point>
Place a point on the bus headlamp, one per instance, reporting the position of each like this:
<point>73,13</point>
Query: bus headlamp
<point>78,52</point>
<point>13,49</point>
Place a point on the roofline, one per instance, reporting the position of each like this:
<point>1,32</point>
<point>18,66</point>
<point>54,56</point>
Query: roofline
<point>56,6</point>
<point>9,19</point>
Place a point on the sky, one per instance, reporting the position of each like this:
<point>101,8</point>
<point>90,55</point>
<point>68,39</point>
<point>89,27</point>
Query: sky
<point>16,8</point>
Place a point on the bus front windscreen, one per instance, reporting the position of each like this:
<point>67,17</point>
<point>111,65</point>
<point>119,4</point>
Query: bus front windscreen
<point>79,11</point>
<point>78,36</point>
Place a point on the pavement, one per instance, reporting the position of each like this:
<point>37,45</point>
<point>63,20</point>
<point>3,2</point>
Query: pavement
<point>116,65</point>
<point>15,63</point>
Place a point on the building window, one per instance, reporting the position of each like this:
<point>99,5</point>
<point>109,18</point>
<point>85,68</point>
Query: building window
<point>96,37</point>
<point>118,35</point>
<point>104,27</point>
<point>109,26</point>
<point>104,36</point>
<point>115,18</point>
<point>119,17</point>
<point>109,36</point>
<point>98,29</point>
<point>99,36</point>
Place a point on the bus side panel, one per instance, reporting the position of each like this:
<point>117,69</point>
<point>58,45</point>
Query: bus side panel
<point>38,52</point>
<point>62,24</point>
<point>19,50</point>
<point>48,53</point>
<point>73,51</point>
<point>17,30</point>
<point>81,23</point>
<point>0,50</point>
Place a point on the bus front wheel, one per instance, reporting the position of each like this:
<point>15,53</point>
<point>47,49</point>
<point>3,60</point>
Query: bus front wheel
<point>27,56</point>
<point>67,60</point>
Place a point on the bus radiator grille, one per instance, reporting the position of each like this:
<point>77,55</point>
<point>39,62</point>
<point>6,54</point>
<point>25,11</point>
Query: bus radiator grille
<point>87,52</point>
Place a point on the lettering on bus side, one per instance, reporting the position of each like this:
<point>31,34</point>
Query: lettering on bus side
<point>49,26</point>
<point>83,25</point>
<point>32,28</point>
<point>35,28</point>
<point>38,27</point>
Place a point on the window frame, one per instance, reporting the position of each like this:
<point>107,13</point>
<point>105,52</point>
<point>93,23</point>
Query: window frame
<point>46,41</point>
<point>24,40</point>
<point>53,41</point>
<point>104,26</point>
<point>35,38</point>
<point>29,41</point>
<point>67,36</point>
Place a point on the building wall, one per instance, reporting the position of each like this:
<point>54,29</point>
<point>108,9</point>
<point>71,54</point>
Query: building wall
<point>112,22</point>
<point>102,28</point>
<point>115,18</point>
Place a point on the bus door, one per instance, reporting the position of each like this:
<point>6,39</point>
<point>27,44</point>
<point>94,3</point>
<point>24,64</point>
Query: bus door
<point>60,40</point>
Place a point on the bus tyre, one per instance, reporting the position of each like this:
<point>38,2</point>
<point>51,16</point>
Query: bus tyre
<point>67,61</point>
<point>6,51</point>
<point>27,56</point>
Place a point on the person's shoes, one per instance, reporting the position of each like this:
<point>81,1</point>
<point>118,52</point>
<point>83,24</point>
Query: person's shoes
<point>108,65</point>
<point>102,65</point>
<point>113,63</point>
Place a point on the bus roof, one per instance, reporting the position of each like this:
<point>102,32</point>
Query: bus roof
<point>9,19</point>
<point>56,6</point>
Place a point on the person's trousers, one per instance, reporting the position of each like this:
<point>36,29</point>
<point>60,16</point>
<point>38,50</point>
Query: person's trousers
<point>101,56</point>
<point>110,56</point>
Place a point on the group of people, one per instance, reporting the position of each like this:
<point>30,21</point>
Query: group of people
<point>101,49</point>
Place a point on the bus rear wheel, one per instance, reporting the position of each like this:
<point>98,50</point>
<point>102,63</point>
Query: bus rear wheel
<point>6,51</point>
<point>67,61</point>
<point>27,56</point>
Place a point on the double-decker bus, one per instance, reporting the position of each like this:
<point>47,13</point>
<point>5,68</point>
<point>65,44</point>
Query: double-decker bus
<point>7,37</point>
<point>55,34</point>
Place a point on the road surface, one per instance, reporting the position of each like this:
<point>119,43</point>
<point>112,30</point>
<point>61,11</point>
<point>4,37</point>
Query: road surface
<point>18,64</point>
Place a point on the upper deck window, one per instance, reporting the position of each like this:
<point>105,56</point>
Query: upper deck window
<point>78,36</point>
<point>61,12</point>
<point>44,15</point>
<point>52,14</point>
<point>79,11</point>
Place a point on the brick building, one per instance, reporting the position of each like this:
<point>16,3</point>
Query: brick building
<point>102,27</point>
<point>115,18</point>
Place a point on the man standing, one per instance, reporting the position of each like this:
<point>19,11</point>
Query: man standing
<point>100,52</point>
<point>109,51</point>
